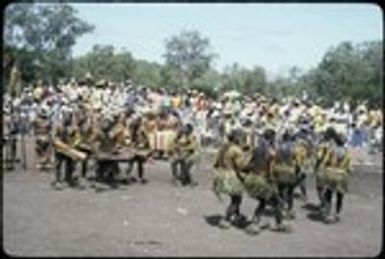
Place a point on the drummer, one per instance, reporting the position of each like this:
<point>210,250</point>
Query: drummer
<point>141,145</point>
<point>160,139</point>
<point>67,133</point>
<point>105,142</point>
<point>173,125</point>
<point>85,132</point>
<point>184,155</point>
<point>42,127</point>
<point>150,126</point>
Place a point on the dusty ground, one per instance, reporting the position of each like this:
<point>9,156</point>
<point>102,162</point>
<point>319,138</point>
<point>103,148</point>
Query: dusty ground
<point>159,219</point>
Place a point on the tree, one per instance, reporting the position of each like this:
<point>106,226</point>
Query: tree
<point>40,37</point>
<point>348,71</point>
<point>257,77</point>
<point>234,77</point>
<point>209,83</point>
<point>147,74</point>
<point>189,55</point>
<point>103,63</point>
<point>294,73</point>
<point>244,80</point>
<point>169,77</point>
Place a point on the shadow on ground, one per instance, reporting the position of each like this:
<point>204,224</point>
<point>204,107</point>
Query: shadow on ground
<point>214,221</point>
<point>311,207</point>
<point>315,216</point>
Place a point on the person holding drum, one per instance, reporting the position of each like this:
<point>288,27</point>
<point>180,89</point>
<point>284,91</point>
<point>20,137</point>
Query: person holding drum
<point>85,131</point>
<point>336,168</point>
<point>229,163</point>
<point>105,140</point>
<point>261,184</point>
<point>322,150</point>
<point>141,145</point>
<point>184,155</point>
<point>66,137</point>
<point>287,169</point>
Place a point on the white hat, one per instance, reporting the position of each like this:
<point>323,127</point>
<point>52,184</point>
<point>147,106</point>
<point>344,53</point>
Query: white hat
<point>215,114</point>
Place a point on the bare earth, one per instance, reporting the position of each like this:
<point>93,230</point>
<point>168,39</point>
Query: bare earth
<point>160,219</point>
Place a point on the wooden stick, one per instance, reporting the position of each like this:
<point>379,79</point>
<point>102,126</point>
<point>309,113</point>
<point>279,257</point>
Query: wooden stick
<point>23,151</point>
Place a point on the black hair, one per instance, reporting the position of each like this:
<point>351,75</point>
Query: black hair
<point>68,117</point>
<point>286,136</point>
<point>134,128</point>
<point>189,128</point>
<point>330,133</point>
<point>175,113</point>
<point>339,139</point>
<point>269,134</point>
<point>234,136</point>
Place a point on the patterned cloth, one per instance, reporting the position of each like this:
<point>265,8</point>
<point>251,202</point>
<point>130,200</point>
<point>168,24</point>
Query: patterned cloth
<point>162,140</point>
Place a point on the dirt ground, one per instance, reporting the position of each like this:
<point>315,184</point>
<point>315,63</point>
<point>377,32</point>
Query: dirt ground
<point>160,219</point>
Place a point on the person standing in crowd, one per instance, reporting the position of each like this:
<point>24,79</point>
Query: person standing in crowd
<point>11,131</point>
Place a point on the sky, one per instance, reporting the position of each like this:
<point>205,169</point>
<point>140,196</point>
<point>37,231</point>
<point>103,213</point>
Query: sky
<point>274,36</point>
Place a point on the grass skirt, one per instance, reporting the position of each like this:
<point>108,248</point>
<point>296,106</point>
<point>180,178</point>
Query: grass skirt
<point>336,179</point>
<point>285,174</point>
<point>259,188</point>
<point>226,182</point>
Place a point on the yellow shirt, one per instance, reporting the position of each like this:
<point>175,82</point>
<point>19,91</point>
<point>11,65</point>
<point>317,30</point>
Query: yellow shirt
<point>331,160</point>
<point>297,159</point>
<point>186,144</point>
<point>319,123</point>
<point>121,134</point>
<point>38,92</point>
<point>234,156</point>
<point>176,101</point>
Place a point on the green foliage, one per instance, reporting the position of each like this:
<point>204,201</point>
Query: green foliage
<point>244,80</point>
<point>349,72</point>
<point>147,73</point>
<point>169,77</point>
<point>188,55</point>
<point>40,38</point>
<point>103,63</point>
<point>209,83</point>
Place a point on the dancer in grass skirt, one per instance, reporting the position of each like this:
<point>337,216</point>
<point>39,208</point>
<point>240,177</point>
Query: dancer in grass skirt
<point>261,185</point>
<point>227,176</point>
<point>335,168</point>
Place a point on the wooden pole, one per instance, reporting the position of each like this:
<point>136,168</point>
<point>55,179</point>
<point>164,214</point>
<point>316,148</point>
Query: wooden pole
<point>23,151</point>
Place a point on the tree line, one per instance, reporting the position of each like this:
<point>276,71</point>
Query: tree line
<point>38,40</point>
